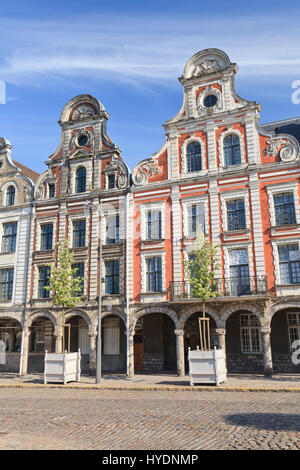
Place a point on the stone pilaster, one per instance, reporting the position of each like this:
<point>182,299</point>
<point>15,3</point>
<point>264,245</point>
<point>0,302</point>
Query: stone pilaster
<point>221,332</point>
<point>266,337</point>
<point>25,339</point>
<point>180,352</point>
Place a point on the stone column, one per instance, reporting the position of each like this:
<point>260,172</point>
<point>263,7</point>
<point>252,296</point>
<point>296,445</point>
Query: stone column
<point>180,352</point>
<point>92,357</point>
<point>25,338</point>
<point>221,332</point>
<point>266,337</point>
<point>131,353</point>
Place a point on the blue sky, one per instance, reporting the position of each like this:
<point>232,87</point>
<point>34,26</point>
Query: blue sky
<point>129,54</point>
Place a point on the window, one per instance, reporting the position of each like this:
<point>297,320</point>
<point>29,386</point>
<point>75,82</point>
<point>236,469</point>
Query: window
<point>51,190</point>
<point>82,140</point>
<point>9,237</point>
<point>250,334</point>
<point>239,272</point>
<point>284,209</point>
<point>294,327</point>
<point>111,333</point>
<point>236,219</point>
<point>80,183</point>
<point>10,196</point>
<point>153,231</point>
<point>46,236</point>
<point>232,151</point>
<point>289,263</point>
<point>6,283</point>
<point>196,217</point>
<point>44,279</point>
<point>210,100</point>
<point>193,157</point>
<point>111,181</point>
<point>113,229</point>
<point>112,277</point>
<point>79,273</point>
<point>78,233</point>
<point>154,275</point>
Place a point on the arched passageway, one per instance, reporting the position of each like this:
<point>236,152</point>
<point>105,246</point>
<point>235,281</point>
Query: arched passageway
<point>113,344</point>
<point>41,339</point>
<point>285,332</point>
<point>10,344</point>
<point>192,334</point>
<point>244,345</point>
<point>155,344</point>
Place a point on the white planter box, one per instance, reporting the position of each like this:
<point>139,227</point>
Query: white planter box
<point>62,368</point>
<point>207,366</point>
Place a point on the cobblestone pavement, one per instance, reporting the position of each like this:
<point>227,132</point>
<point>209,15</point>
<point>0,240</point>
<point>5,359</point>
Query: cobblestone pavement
<point>151,420</point>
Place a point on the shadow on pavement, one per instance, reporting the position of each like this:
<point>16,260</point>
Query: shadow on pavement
<point>270,421</point>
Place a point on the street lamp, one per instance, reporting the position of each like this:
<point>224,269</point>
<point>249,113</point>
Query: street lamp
<point>89,205</point>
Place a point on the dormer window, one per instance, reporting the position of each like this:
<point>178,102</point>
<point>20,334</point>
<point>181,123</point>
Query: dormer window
<point>193,157</point>
<point>80,183</point>
<point>51,188</point>
<point>10,196</point>
<point>82,140</point>
<point>111,181</point>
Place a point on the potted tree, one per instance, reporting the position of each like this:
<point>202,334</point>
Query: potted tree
<point>66,289</point>
<point>206,364</point>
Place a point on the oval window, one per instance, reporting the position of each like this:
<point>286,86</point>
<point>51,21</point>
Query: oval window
<point>210,100</point>
<point>82,140</point>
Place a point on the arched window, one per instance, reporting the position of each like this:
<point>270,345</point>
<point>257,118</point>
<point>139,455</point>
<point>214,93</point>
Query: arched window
<point>10,196</point>
<point>193,157</point>
<point>232,151</point>
<point>80,184</point>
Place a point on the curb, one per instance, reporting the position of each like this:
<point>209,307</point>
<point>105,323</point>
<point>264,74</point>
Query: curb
<point>151,388</point>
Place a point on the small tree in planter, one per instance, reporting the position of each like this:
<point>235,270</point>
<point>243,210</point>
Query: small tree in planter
<point>205,365</point>
<point>65,286</point>
<point>200,272</point>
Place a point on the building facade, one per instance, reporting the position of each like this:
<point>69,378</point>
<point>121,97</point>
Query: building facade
<point>130,234</point>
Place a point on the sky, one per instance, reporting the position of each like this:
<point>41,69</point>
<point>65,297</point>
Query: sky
<point>129,54</point>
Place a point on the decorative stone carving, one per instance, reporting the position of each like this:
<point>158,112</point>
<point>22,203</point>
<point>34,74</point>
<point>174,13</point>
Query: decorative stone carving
<point>287,153</point>
<point>146,169</point>
<point>83,111</point>
<point>74,140</point>
<point>207,66</point>
<point>116,167</point>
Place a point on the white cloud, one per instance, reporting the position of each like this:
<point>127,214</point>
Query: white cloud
<point>137,48</point>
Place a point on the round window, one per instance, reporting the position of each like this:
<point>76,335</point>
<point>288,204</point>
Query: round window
<point>210,100</point>
<point>82,140</point>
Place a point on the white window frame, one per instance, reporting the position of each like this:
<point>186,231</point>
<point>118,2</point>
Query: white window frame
<point>274,189</point>
<point>144,258</point>
<point>297,326</point>
<point>183,151</point>
<point>187,203</point>
<point>4,193</point>
<point>224,134</point>
<point>152,207</point>
<point>237,246</point>
<point>43,221</point>
<point>250,328</point>
<point>77,218</point>
<point>74,165</point>
<point>275,244</point>
<point>231,196</point>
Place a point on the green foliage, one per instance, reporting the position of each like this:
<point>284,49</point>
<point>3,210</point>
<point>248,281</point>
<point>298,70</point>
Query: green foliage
<point>200,268</point>
<point>65,287</point>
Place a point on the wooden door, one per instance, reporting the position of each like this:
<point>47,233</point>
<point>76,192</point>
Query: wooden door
<point>138,350</point>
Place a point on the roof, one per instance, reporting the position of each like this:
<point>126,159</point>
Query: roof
<point>286,126</point>
<point>33,175</point>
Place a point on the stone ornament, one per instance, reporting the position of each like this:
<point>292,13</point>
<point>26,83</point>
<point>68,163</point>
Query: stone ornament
<point>287,151</point>
<point>74,140</point>
<point>207,66</point>
<point>83,111</point>
<point>146,169</point>
<point>116,167</point>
